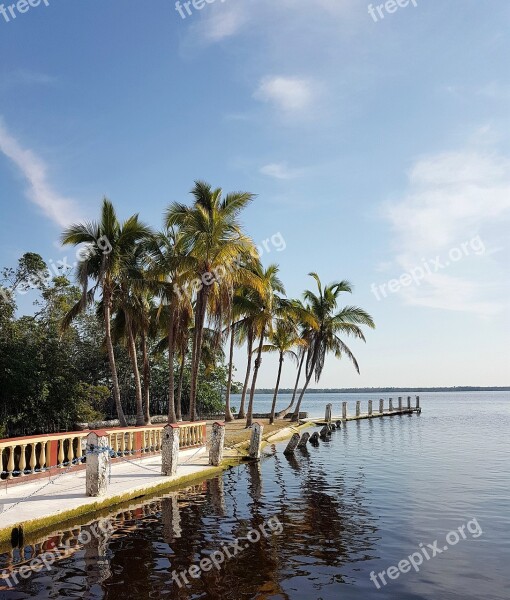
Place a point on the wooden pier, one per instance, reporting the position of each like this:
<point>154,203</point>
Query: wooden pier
<point>373,412</point>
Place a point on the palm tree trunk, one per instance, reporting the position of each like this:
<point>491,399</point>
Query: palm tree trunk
<point>277,387</point>
<point>136,373</point>
<point>171,353</point>
<point>201,310</point>
<point>258,360</point>
<point>228,412</point>
<point>281,414</point>
<point>295,416</point>
<point>146,380</point>
<point>179,388</point>
<point>242,414</point>
<point>111,358</point>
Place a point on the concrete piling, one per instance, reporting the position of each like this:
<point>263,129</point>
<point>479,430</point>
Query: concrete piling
<point>217,444</point>
<point>409,402</point>
<point>292,445</point>
<point>417,402</point>
<point>381,406</point>
<point>390,405</point>
<point>400,403</point>
<point>256,441</point>
<point>98,463</point>
<point>358,408</point>
<point>370,408</point>
<point>170,449</point>
<point>344,410</point>
<point>314,438</point>
<point>329,412</point>
<point>304,439</point>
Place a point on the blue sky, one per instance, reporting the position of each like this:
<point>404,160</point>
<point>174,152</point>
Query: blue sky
<point>375,149</point>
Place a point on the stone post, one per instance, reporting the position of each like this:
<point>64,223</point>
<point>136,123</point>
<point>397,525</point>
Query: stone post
<point>370,409</point>
<point>304,439</point>
<point>291,446</point>
<point>98,463</point>
<point>417,402</point>
<point>256,441</point>
<point>217,444</point>
<point>170,449</point>
<point>400,403</point>
<point>391,405</point>
<point>329,409</point>
<point>381,406</point>
<point>358,408</point>
<point>409,402</point>
<point>344,410</point>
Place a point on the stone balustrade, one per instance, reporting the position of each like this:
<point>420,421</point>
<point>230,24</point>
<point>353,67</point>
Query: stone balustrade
<point>24,458</point>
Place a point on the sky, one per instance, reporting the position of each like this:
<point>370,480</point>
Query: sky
<point>376,140</point>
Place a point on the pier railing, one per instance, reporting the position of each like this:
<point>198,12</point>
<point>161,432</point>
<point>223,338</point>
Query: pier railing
<point>36,456</point>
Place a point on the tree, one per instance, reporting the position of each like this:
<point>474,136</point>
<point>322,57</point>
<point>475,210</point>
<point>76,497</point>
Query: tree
<point>283,339</point>
<point>265,306</point>
<point>108,244</point>
<point>215,241</point>
<point>327,324</point>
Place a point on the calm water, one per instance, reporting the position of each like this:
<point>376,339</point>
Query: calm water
<point>361,502</point>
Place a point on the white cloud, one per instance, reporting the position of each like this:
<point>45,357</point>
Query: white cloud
<point>451,198</point>
<point>289,94</point>
<point>59,209</point>
<point>279,171</point>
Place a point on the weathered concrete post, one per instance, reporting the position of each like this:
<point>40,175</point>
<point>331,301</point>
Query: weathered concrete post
<point>98,463</point>
<point>417,402</point>
<point>329,410</point>
<point>358,408</point>
<point>256,441</point>
<point>370,409</point>
<point>381,406</point>
<point>344,410</point>
<point>400,403</point>
<point>217,444</point>
<point>409,402</point>
<point>390,405</point>
<point>170,449</point>
<point>292,445</point>
<point>304,439</point>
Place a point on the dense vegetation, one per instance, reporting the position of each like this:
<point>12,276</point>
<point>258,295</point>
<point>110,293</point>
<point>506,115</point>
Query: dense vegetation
<point>142,331</point>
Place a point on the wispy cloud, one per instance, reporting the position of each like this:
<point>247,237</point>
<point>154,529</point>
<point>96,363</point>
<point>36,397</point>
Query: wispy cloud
<point>452,197</point>
<point>61,210</point>
<point>23,77</point>
<point>289,94</point>
<point>280,171</point>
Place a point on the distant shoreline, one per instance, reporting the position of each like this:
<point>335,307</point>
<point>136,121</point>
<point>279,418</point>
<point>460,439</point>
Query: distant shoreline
<point>387,389</point>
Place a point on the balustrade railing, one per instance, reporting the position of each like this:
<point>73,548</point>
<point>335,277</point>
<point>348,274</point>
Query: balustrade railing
<point>35,456</point>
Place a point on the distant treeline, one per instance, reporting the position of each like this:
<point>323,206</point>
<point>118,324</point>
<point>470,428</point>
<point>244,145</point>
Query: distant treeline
<point>387,390</point>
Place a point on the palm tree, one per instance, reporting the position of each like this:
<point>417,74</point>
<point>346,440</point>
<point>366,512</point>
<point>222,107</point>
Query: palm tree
<point>282,339</point>
<point>327,326</point>
<point>266,305</point>
<point>108,243</point>
<point>213,235</point>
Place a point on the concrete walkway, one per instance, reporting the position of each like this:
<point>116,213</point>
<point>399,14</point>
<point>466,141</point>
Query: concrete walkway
<point>40,500</point>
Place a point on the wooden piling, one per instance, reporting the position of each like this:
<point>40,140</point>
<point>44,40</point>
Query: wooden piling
<point>381,406</point>
<point>314,438</point>
<point>409,402</point>
<point>370,409</point>
<point>417,402</point>
<point>329,412</point>
<point>390,405</point>
<point>400,403</point>
<point>358,408</point>
<point>344,410</point>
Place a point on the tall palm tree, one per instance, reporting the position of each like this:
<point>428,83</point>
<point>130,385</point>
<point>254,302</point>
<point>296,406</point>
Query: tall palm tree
<point>108,243</point>
<point>213,234</point>
<point>328,324</point>
<point>283,339</point>
<point>268,306</point>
